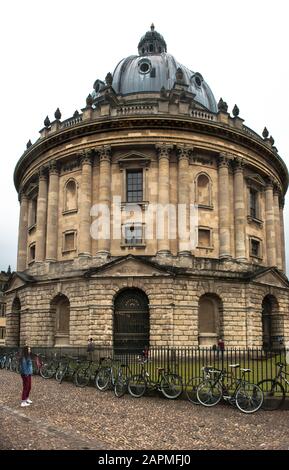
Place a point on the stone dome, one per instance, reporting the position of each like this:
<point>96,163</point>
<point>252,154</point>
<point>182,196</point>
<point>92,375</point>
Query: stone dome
<point>154,69</point>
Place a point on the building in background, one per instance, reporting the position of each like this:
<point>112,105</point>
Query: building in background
<point>4,277</point>
<point>151,137</point>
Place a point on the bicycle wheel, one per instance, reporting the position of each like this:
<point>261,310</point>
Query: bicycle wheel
<point>60,374</point>
<point>120,387</point>
<point>209,393</point>
<point>191,389</point>
<point>274,394</point>
<point>48,370</point>
<point>249,398</point>
<point>137,386</point>
<point>81,378</point>
<point>103,379</point>
<point>171,385</point>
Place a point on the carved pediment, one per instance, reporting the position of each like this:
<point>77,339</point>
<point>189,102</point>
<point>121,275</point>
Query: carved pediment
<point>129,266</point>
<point>18,280</point>
<point>256,181</point>
<point>134,157</point>
<point>271,278</point>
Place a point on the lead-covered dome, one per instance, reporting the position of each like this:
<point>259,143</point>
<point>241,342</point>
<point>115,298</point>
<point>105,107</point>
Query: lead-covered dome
<point>154,69</point>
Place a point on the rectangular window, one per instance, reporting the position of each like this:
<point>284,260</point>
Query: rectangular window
<point>204,238</point>
<point>255,248</point>
<point>253,203</point>
<point>2,333</point>
<point>3,310</point>
<point>69,241</point>
<point>133,235</point>
<point>134,185</point>
<point>32,252</point>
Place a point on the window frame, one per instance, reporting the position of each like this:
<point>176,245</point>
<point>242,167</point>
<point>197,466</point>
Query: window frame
<point>64,234</point>
<point>124,240</point>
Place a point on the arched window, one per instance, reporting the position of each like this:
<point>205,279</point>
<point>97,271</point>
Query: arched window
<point>203,190</point>
<point>70,196</point>
<point>60,307</point>
<point>210,319</point>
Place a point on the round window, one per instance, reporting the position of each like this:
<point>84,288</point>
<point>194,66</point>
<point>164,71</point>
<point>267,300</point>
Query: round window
<point>144,67</point>
<point>198,81</point>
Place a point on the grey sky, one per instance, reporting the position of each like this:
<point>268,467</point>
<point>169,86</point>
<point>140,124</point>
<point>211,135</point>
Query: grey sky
<point>52,52</point>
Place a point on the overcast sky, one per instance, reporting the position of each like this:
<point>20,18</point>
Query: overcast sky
<point>53,51</point>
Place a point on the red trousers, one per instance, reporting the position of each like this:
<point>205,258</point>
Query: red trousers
<point>26,386</point>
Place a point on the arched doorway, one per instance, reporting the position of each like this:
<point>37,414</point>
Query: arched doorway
<point>60,307</point>
<point>272,324</point>
<point>131,320</point>
<point>210,320</point>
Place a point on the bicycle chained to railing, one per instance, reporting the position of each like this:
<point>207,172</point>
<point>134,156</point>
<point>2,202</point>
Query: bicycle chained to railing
<point>113,374</point>
<point>168,383</point>
<point>248,397</point>
<point>273,389</point>
<point>88,371</point>
<point>68,367</point>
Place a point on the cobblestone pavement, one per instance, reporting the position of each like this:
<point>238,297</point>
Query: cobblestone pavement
<point>66,417</point>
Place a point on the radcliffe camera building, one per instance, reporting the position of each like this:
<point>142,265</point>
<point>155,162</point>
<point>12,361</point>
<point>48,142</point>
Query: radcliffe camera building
<point>151,135</point>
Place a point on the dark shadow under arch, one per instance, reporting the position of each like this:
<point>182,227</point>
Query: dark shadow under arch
<point>131,324</point>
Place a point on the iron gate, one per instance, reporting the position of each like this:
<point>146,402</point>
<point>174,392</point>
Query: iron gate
<point>131,321</point>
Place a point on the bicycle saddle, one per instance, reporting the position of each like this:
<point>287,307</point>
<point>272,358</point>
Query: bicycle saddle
<point>234,365</point>
<point>246,370</point>
<point>160,368</point>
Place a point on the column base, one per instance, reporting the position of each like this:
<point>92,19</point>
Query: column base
<point>84,255</point>
<point>185,253</point>
<point>164,253</point>
<point>225,257</point>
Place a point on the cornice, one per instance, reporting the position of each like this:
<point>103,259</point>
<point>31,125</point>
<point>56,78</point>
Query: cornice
<point>131,123</point>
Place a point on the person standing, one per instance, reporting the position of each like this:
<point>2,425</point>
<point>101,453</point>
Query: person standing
<point>90,348</point>
<point>26,373</point>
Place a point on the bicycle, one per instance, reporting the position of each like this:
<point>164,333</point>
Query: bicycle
<point>49,368</point>
<point>169,384</point>
<point>246,396</point>
<point>108,375</point>
<point>67,368</point>
<point>273,389</point>
<point>86,373</point>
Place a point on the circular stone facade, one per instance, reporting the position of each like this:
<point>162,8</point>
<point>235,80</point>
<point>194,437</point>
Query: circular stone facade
<point>155,195</point>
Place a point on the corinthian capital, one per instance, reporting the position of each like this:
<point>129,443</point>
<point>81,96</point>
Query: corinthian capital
<point>164,150</point>
<point>53,168</point>
<point>104,153</point>
<point>224,160</point>
<point>183,152</point>
<point>86,157</point>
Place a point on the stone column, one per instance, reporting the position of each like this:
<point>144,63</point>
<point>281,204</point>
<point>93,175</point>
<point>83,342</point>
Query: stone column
<point>52,213</point>
<point>85,204</point>
<point>164,198</point>
<point>270,224</point>
<point>183,201</point>
<point>22,233</point>
<point>276,193</point>
<point>224,207</point>
<point>282,233</point>
<point>41,216</point>
<point>105,195</point>
<point>239,211</point>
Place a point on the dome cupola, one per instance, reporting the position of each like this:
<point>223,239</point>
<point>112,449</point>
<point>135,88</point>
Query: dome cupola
<point>152,43</point>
